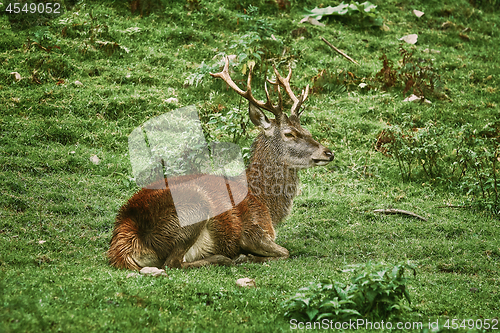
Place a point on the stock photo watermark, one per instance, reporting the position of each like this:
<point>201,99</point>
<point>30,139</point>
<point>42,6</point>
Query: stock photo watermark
<point>453,324</point>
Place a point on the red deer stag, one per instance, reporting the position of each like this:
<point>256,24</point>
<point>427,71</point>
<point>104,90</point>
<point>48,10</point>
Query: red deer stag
<point>147,230</point>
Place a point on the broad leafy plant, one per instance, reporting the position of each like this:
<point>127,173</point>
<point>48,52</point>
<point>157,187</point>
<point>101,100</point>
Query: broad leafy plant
<point>365,13</point>
<point>377,290</point>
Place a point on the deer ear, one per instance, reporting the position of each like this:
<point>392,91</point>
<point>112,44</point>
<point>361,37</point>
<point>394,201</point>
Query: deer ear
<point>258,117</point>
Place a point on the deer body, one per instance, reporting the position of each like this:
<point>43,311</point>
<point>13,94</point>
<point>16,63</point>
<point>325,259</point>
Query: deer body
<point>147,230</point>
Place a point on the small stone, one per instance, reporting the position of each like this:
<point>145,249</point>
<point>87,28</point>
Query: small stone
<point>153,271</point>
<point>132,275</point>
<point>246,283</point>
<point>415,98</point>
<point>431,51</point>
<point>418,13</point>
<point>94,159</point>
<point>78,83</point>
<point>410,39</point>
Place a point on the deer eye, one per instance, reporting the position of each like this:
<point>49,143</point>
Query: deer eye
<point>289,135</point>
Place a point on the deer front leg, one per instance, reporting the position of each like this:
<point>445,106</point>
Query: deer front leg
<point>260,248</point>
<point>216,259</point>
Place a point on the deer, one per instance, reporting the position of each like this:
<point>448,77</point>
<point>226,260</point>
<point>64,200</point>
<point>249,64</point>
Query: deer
<point>147,231</point>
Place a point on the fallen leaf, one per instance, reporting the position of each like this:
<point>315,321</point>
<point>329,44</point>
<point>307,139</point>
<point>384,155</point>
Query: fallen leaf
<point>384,27</point>
<point>17,76</point>
<point>447,24</point>
<point>431,51</point>
<point>415,98</point>
<point>171,100</point>
<point>312,21</point>
<point>41,242</point>
<point>153,271</point>
<point>464,37</point>
<point>94,159</point>
<point>467,29</point>
<point>418,13</point>
<point>246,283</point>
<point>410,39</point>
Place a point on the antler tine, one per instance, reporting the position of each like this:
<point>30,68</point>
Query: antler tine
<point>304,96</point>
<point>268,105</point>
<point>285,83</point>
<point>280,98</point>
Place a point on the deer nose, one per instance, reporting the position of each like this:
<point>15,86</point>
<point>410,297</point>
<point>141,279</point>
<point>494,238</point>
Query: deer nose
<point>328,153</point>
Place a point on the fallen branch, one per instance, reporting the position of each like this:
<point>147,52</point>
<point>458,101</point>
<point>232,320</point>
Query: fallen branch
<point>452,206</point>
<point>398,211</point>
<point>340,52</point>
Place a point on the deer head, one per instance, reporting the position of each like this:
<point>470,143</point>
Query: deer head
<point>289,143</point>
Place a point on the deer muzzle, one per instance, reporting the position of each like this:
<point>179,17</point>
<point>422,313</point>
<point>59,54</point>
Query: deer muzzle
<point>325,157</point>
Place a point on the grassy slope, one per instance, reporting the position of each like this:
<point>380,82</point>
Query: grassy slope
<point>51,192</point>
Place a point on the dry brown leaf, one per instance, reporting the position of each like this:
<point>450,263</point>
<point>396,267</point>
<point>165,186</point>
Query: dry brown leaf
<point>464,37</point>
<point>447,24</point>
<point>17,76</point>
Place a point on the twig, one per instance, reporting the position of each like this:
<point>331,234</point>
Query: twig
<point>452,206</point>
<point>399,211</point>
<point>340,52</point>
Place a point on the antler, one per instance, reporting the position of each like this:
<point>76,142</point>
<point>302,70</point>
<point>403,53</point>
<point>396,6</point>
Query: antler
<point>285,83</point>
<point>268,105</point>
<point>277,110</point>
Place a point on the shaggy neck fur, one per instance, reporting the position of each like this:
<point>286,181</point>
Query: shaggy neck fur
<point>270,179</point>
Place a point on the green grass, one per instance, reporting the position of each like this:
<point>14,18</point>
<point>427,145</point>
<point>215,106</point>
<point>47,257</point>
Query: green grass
<point>57,208</point>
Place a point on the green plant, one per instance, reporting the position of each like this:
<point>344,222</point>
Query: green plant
<point>377,290</point>
<point>202,72</point>
<point>364,13</point>
<point>234,123</point>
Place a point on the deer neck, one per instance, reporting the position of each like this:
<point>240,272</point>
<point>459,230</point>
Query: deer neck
<point>270,179</point>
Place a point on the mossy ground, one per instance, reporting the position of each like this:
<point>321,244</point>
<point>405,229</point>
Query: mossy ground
<point>97,71</point>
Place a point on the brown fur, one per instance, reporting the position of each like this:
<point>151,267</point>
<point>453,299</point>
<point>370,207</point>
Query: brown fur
<point>147,226</point>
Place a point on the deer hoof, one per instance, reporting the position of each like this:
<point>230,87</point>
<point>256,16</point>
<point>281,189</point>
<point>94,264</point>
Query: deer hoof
<point>221,260</point>
<point>243,259</point>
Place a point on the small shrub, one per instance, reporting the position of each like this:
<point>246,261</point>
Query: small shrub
<point>377,290</point>
<point>417,76</point>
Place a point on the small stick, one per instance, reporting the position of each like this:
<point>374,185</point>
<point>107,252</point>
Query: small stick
<point>340,52</point>
<point>451,206</point>
<point>399,211</point>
